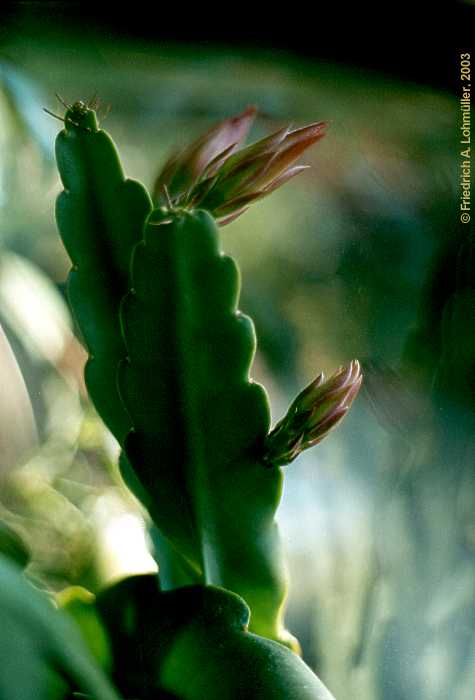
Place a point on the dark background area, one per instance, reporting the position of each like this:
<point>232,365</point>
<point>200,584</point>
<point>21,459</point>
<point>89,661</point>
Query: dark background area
<point>416,42</point>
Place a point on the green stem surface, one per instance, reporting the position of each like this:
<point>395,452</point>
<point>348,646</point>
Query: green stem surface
<point>199,421</point>
<point>100,216</point>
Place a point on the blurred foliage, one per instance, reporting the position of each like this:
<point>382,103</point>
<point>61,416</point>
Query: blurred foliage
<point>359,257</point>
<point>35,636</point>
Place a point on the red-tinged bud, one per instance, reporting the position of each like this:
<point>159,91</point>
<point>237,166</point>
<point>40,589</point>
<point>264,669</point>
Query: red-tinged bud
<point>318,409</point>
<point>232,217</point>
<point>324,426</point>
<point>259,170</point>
<point>204,156</point>
<point>213,174</point>
<point>235,204</point>
<point>288,151</point>
<point>285,177</point>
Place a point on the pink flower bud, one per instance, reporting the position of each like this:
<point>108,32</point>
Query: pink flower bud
<point>213,174</point>
<point>318,409</point>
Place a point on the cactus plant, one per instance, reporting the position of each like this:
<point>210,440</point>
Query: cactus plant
<point>156,304</point>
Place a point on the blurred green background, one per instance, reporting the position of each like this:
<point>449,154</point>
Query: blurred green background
<point>361,256</point>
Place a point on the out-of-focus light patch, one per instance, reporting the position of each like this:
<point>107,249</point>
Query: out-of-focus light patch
<point>314,490</point>
<point>111,446</point>
<point>25,99</point>
<point>123,548</point>
<point>17,423</point>
<point>65,410</point>
<point>33,308</point>
<point>434,667</point>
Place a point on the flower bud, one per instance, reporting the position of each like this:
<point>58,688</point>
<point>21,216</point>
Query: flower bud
<point>313,414</point>
<point>213,174</point>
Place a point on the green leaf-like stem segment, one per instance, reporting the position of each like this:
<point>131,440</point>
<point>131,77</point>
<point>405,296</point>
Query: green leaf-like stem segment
<point>198,420</point>
<point>194,644</point>
<point>100,216</point>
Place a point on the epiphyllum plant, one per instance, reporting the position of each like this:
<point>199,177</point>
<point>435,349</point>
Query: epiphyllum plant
<point>155,301</point>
